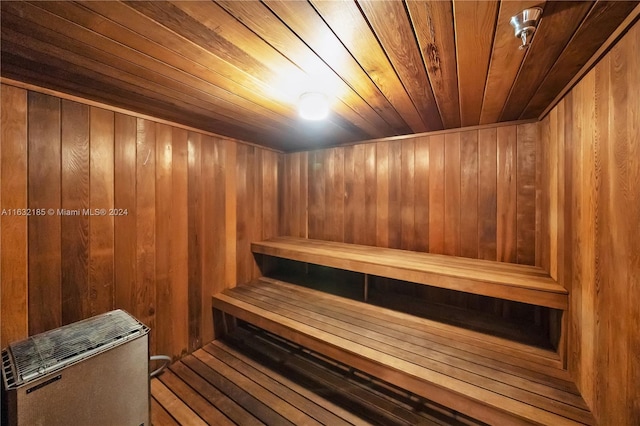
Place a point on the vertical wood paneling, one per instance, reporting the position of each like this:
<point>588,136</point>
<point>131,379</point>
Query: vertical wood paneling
<point>14,266</point>
<point>633,128</point>
<point>436,193</point>
<point>230,212</point>
<point>349,194</point>
<point>144,293</point>
<point>194,202</point>
<point>212,228</point>
<point>167,239</point>
<point>179,245</point>
<point>291,181</point>
<point>360,195</point>
<point>382,194</point>
<point>243,206</point>
<point>469,194</point>
<point>334,195</point>
<point>421,232</point>
<point>407,196</point>
<point>452,194</point>
<point>75,197</point>
<point>526,193</point>
<point>487,194</point>
<point>395,194</point>
<point>45,304</point>
<point>595,129</point>
<point>164,215</point>
<point>506,195</point>
<point>101,200</point>
<point>125,166</point>
<point>370,197</point>
<point>270,224</point>
<point>316,194</point>
<point>255,223</point>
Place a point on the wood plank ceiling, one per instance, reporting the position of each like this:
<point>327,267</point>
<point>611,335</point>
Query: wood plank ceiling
<point>237,68</point>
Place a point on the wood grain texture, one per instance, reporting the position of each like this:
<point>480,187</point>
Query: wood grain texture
<point>238,68</point>
<point>141,254</point>
<point>101,201</point>
<point>164,207</point>
<point>602,21</point>
<point>555,30</point>
<point>469,195</point>
<point>195,212</point>
<point>75,187</point>
<point>495,279</point>
<point>456,192</point>
<point>506,60</point>
<point>506,195</point>
<point>452,211</point>
<point>487,194</point>
<point>436,194</point>
<point>421,191</point>
<point>394,223</point>
<point>596,124</point>
<point>474,26</point>
<point>526,193</point>
<point>179,249</point>
<point>382,194</point>
<point>144,295</point>
<point>125,190</point>
<point>633,118</point>
<point>433,26</point>
<point>339,336</point>
<point>14,263</point>
<point>394,32</point>
<point>45,290</point>
<point>346,20</point>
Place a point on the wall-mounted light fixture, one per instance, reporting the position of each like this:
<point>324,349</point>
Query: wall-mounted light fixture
<point>525,24</point>
<point>313,106</point>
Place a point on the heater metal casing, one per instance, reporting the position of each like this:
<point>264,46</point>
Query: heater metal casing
<point>92,372</point>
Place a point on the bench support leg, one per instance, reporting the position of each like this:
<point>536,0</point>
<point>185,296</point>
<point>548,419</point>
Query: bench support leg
<point>366,287</point>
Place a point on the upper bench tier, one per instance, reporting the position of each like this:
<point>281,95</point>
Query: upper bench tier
<point>521,283</point>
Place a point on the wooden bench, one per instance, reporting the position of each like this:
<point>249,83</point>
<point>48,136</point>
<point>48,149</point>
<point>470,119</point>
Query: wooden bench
<point>521,283</point>
<point>494,380</point>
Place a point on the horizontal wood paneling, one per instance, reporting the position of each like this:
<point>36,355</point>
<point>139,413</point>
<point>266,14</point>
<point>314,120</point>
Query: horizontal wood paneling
<point>167,239</point>
<point>594,212</point>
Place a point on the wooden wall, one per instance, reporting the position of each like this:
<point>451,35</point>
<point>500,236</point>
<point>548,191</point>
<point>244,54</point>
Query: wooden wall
<point>193,203</point>
<point>468,193</point>
<point>472,193</point>
<point>592,141</point>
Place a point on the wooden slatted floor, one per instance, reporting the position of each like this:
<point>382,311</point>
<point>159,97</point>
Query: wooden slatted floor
<point>256,378</point>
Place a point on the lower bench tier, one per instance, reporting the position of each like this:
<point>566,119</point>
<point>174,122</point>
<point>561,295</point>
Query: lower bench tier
<point>487,378</point>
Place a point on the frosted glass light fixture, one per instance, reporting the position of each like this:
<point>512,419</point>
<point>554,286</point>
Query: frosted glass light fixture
<point>313,106</point>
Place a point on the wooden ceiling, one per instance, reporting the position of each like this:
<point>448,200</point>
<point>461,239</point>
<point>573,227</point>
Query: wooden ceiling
<point>237,67</point>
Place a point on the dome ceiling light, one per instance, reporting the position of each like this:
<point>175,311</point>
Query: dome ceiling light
<point>313,106</point>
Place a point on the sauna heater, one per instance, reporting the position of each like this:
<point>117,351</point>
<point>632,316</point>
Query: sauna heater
<point>92,372</point>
